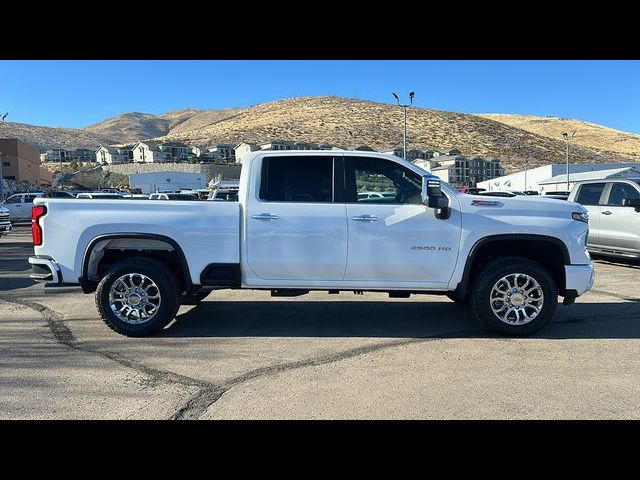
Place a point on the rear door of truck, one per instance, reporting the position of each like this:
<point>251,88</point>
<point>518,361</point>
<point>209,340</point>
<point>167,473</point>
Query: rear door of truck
<point>296,228</point>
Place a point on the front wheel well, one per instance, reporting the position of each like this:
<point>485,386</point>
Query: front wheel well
<point>547,253</point>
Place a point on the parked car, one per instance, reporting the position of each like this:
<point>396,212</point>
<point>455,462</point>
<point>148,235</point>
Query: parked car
<point>559,192</point>
<point>557,197</point>
<point>100,195</point>
<point>530,192</point>
<point>59,194</point>
<point>5,220</point>
<point>497,194</point>
<point>225,190</point>
<point>19,205</point>
<point>174,196</point>
<point>300,226</point>
<point>614,215</point>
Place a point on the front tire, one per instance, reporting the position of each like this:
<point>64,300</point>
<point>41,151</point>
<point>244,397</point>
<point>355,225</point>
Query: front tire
<point>137,297</point>
<point>514,296</point>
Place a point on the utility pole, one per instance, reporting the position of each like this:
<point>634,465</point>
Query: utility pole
<point>1,165</point>
<point>566,140</point>
<point>411,94</point>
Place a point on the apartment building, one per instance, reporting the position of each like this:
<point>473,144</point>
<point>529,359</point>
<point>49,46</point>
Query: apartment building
<point>114,154</point>
<point>77,155</point>
<point>21,162</point>
<point>465,171</point>
<point>223,152</point>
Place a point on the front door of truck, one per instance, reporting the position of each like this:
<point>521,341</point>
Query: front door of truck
<point>392,236</point>
<point>619,224</point>
<point>296,228</point>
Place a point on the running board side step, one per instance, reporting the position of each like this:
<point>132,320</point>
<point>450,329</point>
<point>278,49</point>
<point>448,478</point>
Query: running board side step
<point>288,292</point>
<point>62,288</point>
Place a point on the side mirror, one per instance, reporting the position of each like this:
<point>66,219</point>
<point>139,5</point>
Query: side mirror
<point>433,197</point>
<point>631,202</point>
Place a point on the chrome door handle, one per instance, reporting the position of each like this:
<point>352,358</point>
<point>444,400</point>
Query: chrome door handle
<point>606,212</point>
<point>365,218</point>
<point>265,216</point>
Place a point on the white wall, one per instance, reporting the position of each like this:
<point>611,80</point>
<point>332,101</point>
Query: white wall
<point>516,181</point>
<point>151,182</point>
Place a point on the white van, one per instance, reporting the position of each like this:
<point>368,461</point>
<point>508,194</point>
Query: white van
<point>19,205</point>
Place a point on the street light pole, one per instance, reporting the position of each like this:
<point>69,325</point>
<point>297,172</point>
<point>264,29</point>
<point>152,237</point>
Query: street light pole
<point>566,140</point>
<point>411,94</point>
<point>1,165</point>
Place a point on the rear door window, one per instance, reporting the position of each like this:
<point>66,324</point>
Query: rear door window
<point>297,179</point>
<point>590,193</point>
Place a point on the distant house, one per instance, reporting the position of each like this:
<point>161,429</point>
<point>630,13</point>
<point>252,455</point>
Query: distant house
<point>222,152</point>
<point>412,154</point>
<point>466,171</point>
<point>451,151</point>
<point>178,151</point>
<point>148,152</point>
<point>243,149</point>
<point>77,155</point>
<point>114,154</point>
<point>277,145</point>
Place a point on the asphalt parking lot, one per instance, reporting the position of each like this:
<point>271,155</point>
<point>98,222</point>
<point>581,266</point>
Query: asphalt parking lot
<point>244,355</point>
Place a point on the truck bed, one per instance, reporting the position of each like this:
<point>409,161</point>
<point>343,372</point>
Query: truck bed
<point>208,231</point>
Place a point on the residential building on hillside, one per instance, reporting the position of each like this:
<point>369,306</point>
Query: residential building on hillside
<point>243,149</point>
<point>21,162</point>
<point>77,155</point>
<point>148,152</point>
<point>222,152</point>
<point>276,145</point>
<point>451,151</point>
<point>109,154</point>
<point>412,154</point>
<point>466,171</point>
<point>176,150</point>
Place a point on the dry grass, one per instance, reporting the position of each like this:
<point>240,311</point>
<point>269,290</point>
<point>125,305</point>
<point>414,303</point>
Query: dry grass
<point>588,135</point>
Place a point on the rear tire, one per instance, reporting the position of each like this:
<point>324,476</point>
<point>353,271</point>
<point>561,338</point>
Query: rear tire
<point>137,297</point>
<point>514,296</point>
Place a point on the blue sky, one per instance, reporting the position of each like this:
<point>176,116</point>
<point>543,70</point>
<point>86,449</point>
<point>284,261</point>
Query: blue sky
<point>78,93</point>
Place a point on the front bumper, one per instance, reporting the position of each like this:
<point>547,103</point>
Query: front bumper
<point>579,278</point>
<point>5,227</point>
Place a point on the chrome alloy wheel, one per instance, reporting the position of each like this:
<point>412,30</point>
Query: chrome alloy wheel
<point>134,298</point>
<point>516,299</point>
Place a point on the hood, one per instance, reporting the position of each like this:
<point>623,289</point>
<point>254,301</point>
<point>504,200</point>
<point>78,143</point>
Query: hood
<point>534,206</point>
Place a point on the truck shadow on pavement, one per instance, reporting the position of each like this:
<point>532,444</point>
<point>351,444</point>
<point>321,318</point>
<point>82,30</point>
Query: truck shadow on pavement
<point>389,319</point>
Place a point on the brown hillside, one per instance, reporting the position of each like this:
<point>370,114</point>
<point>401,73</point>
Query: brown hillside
<point>588,135</point>
<point>328,119</point>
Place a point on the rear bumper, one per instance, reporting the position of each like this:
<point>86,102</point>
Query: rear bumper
<point>45,269</point>
<point>579,278</point>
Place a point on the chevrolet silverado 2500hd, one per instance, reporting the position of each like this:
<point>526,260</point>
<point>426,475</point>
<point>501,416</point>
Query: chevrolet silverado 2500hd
<point>300,225</point>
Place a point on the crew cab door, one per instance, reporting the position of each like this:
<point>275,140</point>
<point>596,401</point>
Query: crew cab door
<point>620,225</point>
<point>589,196</point>
<point>393,237</point>
<point>296,229</point>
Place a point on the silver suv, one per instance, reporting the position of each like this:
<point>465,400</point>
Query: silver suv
<point>614,215</point>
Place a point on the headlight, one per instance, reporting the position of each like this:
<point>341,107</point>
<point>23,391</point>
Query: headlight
<point>581,216</point>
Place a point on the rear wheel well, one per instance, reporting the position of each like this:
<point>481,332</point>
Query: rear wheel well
<point>102,254</point>
<point>547,253</point>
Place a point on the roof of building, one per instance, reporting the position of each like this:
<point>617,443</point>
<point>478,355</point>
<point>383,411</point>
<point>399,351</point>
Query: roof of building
<point>593,175</point>
<point>444,167</point>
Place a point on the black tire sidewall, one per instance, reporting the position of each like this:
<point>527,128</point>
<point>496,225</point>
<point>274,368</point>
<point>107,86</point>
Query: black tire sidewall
<point>160,275</point>
<point>481,294</point>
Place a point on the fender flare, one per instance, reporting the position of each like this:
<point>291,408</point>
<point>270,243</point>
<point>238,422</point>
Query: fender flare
<point>463,287</point>
<point>88,287</point>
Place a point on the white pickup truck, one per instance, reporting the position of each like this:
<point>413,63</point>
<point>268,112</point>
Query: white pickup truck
<point>300,225</point>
